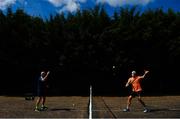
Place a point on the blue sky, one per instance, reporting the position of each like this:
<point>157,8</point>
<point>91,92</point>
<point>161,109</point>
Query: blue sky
<point>44,8</point>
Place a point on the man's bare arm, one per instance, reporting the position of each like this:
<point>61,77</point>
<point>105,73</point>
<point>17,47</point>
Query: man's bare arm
<point>127,84</point>
<point>46,75</point>
<point>145,72</point>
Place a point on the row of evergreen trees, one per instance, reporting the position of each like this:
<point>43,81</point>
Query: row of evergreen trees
<point>92,41</point>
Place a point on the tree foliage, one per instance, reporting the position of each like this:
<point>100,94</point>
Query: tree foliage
<point>91,41</point>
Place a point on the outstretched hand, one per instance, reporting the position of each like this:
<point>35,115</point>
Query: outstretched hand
<point>145,71</point>
<point>48,72</point>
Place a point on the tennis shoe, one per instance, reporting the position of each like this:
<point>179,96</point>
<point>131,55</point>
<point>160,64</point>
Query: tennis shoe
<point>37,110</point>
<point>44,108</point>
<point>126,110</point>
<point>146,110</point>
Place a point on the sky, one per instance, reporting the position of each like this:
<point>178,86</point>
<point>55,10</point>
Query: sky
<point>45,8</point>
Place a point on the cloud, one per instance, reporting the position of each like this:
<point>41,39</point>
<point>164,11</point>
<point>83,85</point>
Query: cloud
<point>6,3</point>
<point>56,3</point>
<point>116,3</point>
<point>67,5</point>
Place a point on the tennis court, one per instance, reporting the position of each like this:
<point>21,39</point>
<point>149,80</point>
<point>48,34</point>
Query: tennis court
<point>102,107</point>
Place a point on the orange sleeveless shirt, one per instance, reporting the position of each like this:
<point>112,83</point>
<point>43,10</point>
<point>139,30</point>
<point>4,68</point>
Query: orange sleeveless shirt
<point>136,86</point>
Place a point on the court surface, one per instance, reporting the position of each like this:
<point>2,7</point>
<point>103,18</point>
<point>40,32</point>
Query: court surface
<point>102,107</point>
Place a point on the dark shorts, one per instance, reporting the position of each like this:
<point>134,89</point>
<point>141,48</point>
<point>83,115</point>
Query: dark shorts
<point>41,92</point>
<point>134,94</point>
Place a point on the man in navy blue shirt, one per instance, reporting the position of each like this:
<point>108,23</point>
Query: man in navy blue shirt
<point>41,91</point>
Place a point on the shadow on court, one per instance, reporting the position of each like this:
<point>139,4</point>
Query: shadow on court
<point>156,110</point>
<point>61,109</point>
<point>102,107</point>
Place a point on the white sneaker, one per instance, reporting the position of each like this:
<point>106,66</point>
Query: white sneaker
<point>37,110</point>
<point>145,110</point>
<point>43,108</point>
<point>126,110</point>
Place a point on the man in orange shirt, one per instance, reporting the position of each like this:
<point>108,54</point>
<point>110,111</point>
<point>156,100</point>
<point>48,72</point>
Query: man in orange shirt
<point>136,89</point>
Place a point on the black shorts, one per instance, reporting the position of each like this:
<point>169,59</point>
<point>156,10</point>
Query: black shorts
<point>134,94</point>
<point>41,92</point>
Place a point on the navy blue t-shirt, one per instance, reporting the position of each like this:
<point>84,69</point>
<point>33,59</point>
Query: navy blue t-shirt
<point>41,88</point>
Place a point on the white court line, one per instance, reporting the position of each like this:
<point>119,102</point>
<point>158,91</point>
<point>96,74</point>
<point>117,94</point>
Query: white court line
<point>90,103</point>
<point>174,109</point>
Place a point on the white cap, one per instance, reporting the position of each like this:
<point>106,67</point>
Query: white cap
<point>133,72</point>
<point>42,72</point>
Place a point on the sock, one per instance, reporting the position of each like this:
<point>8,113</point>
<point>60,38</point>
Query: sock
<point>37,106</point>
